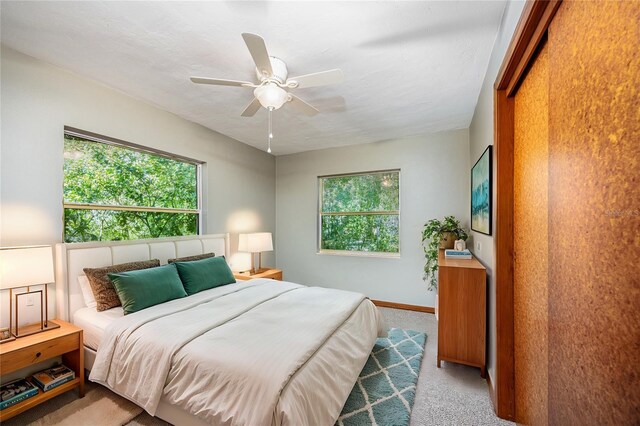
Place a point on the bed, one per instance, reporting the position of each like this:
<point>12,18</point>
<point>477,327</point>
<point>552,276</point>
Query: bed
<point>251,353</point>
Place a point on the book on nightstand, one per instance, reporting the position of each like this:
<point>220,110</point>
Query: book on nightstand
<point>15,392</point>
<point>53,377</point>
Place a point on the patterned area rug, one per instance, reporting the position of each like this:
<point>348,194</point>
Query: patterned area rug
<point>384,392</point>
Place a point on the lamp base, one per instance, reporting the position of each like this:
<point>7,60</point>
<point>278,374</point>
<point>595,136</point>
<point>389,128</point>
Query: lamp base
<point>27,330</point>
<point>10,339</point>
<point>6,335</point>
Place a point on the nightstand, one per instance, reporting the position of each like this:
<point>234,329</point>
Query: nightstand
<point>65,341</point>
<point>274,274</point>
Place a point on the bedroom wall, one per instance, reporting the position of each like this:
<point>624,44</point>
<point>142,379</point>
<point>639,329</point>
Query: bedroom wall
<point>481,136</point>
<point>434,183</point>
<point>38,100</point>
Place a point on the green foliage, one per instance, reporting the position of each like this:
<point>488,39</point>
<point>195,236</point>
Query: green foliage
<point>376,196</point>
<point>370,233</point>
<point>112,225</point>
<point>432,234</point>
<point>101,174</point>
<point>375,192</point>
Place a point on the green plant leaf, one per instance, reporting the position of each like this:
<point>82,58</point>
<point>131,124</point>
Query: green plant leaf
<point>432,233</point>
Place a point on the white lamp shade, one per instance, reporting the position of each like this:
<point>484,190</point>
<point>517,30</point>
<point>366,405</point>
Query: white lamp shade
<point>25,266</point>
<point>256,242</point>
<point>271,95</point>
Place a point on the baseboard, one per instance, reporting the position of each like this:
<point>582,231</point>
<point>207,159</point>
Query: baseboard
<point>417,308</point>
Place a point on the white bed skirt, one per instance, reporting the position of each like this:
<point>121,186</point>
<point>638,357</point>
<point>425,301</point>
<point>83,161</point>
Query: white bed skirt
<point>167,412</point>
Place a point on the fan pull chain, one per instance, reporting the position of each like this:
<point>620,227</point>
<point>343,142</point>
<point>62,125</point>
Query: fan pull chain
<point>270,131</point>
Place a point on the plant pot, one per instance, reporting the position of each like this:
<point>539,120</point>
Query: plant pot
<point>447,241</point>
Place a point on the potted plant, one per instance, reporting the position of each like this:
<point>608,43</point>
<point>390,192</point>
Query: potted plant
<point>438,235</point>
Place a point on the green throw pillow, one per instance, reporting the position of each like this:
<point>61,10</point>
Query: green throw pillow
<point>147,287</point>
<point>204,274</point>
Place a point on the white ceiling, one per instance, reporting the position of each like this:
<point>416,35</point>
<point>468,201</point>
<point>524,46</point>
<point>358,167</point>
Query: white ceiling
<point>410,67</point>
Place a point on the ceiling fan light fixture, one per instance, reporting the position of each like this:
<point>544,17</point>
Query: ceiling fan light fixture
<point>270,95</point>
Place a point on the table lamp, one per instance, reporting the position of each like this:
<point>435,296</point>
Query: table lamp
<point>256,242</point>
<point>24,267</point>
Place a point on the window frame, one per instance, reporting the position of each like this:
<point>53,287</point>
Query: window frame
<point>321,251</point>
<point>107,140</point>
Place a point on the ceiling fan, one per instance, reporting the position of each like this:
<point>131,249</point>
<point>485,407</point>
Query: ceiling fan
<point>272,90</point>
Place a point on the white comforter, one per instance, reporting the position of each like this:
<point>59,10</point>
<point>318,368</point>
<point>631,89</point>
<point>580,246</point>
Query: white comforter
<point>235,355</point>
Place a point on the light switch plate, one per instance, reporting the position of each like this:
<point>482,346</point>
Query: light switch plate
<point>478,246</point>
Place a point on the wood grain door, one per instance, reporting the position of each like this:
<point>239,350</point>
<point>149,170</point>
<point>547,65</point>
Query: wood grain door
<point>591,51</point>
<point>576,220</point>
<point>531,185</point>
<point>594,213</point>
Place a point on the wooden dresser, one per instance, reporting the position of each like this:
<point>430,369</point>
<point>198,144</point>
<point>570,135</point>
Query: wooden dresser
<point>461,312</point>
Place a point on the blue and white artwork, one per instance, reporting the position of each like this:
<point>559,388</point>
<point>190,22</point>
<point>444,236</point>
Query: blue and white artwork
<point>481,193</point>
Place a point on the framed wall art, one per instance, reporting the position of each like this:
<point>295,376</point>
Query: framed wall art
<point>481,193</point>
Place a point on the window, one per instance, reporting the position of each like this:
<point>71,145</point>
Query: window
<point>114,190</point>
<point>360,212</point>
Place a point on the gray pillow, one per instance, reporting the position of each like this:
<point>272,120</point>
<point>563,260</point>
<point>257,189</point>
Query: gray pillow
<point>192,258</point>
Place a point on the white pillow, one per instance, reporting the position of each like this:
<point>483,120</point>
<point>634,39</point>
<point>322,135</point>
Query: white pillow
<point>87,293</point>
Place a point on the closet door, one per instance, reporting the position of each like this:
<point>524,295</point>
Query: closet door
<point>530,181</point>
<point>594,213</point>
<point>579,139</point>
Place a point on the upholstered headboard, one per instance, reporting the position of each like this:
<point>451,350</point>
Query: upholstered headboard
<point>71,258</point>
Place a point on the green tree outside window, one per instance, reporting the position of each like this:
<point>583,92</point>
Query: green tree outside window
<point>116,193</point>
<point>360,212</point>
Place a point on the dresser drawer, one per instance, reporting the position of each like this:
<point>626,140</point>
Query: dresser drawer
<point>39,352</point>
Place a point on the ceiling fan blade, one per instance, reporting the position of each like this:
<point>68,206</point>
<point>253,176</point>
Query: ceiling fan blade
<point>259,53</point>
<point>318,79</point>
<point>302,106</point>
<point>221,82</point>
<point>251,109</point>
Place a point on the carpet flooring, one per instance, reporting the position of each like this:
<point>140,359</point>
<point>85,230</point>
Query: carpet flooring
<point>452,395</point>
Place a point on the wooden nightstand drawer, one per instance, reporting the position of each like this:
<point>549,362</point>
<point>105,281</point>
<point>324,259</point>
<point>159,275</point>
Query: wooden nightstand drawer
<point>276,276</point>
<point>39,352</point>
